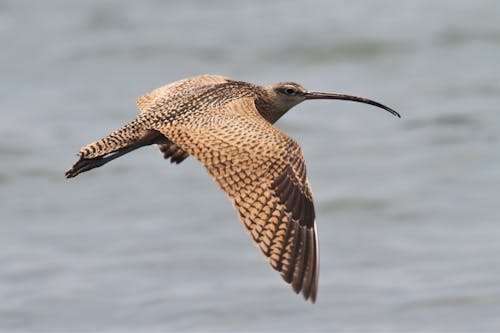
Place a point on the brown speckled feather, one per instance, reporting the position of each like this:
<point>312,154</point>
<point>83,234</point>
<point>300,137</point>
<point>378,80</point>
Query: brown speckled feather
<point>146,103</point>
<point>262,171</point>
<point>161,102</point>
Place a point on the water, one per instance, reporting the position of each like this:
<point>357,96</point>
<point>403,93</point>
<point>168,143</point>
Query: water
<point>407,209</point>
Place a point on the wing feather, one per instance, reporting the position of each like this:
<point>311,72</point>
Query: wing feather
<point>262,170</point>
<point>146,102</point>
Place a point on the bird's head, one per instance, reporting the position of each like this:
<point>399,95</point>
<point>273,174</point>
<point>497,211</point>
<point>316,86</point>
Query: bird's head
<point>285,95</point>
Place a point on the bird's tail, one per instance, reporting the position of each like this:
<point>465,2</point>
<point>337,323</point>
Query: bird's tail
<point>122,141</point>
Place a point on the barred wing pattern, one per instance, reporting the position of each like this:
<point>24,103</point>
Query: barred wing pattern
<point>262,170</point>
<point>146,103</point>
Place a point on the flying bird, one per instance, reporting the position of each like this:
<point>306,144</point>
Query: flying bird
<point>227,125</point>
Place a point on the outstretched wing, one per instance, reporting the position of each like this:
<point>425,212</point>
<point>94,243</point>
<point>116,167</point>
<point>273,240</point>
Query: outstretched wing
<point>146,101</point>
<point>262,170</point>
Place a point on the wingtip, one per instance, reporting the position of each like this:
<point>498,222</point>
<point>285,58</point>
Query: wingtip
<point>309,294</point>
<point>69,174</point>
<point>81,165</point>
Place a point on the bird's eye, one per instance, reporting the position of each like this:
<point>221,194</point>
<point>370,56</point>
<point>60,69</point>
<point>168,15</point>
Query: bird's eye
<point>290,91</point>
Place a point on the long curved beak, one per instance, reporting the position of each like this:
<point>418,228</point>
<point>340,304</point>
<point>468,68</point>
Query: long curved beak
<point>320,95</point>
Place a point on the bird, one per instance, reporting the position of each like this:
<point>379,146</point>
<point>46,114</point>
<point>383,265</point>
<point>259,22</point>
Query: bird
<point>228,126</point>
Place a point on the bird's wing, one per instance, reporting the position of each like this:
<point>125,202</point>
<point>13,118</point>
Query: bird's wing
<point>263,172</point>
<point>146,103</point>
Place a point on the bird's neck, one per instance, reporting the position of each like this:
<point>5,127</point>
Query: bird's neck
<point>265,102</point>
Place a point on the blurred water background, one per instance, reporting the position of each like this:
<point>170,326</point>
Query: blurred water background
<point>408,210</point>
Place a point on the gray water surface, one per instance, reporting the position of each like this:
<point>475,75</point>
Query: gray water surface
<point>407,210</point>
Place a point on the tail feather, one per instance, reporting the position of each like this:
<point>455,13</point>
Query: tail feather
<point>113,146</point>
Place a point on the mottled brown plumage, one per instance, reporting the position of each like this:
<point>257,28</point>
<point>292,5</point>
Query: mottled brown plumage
<point>227,126</point>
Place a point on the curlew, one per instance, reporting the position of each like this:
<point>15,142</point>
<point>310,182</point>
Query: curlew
<point>227,125</point>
